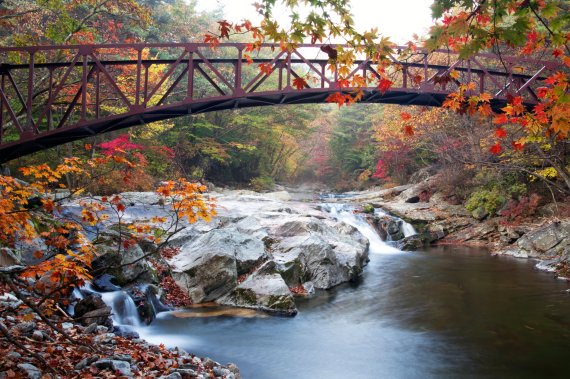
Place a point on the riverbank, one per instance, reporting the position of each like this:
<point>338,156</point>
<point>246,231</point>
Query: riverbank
<point>544,237</point>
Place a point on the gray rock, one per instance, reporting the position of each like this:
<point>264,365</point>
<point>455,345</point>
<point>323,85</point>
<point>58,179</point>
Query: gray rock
<point>208,266</point>
<point>26,327</point>
<point>10,301</point>
<point>90,328</point>
<point>86,362</point>
<point>32,371</point>
<point>480,213</point>
<point>222,372</point>
<point>141,198</point>
<point>38,336</point>
<point>110,364</point>
<point>98,316</point>
<point>309,288</point>
<point>411,243</point>
<point>174,375</point>
<point>185,372</point>
<point>319,261</point>
<point>548,241</point>
<point>8,257</point>
<point>13,355</point>
<point>125,266</point>
<point>266,290</point>
<point>92,309</point>
<point>234,369</point>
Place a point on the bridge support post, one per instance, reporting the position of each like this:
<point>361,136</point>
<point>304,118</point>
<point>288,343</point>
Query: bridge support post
<point>190,69</point>
<point>2,83</point>
<point>31,72</point>
<point>238,91</point>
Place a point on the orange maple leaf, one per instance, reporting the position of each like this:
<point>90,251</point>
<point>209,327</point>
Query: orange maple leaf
<point>265,68</point>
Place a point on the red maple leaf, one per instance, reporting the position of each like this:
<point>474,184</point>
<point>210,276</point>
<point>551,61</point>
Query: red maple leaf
<point>500,132</point>
<point>119,144</point>
<point>212,40</point>
<point>500,119</point>
<point>558,53</point>
<point>338,98</point>
<point>224,28</point>
<point>408,130</point>
<point>517,146</point>
<point>496,149</point>
<point>384,85</point>
<point>542,92</point>
<point>299,83</point>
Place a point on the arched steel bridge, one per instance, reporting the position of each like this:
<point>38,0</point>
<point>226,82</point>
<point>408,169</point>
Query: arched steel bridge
<point>51,95</point>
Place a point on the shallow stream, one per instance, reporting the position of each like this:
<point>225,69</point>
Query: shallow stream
<point>446,312</point>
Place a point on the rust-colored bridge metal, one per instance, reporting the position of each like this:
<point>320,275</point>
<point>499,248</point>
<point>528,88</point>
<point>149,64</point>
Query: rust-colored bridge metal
<point>56,94</point>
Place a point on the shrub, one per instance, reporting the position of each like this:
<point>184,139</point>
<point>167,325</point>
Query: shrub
<point>490,200</point>
<point>262,183</point>
<point>519,209</point>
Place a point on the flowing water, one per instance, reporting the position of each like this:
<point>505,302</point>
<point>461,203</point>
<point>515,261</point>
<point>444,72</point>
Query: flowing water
<point>444,312</point>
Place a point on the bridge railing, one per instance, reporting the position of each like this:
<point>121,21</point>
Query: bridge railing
<point>58,88</point>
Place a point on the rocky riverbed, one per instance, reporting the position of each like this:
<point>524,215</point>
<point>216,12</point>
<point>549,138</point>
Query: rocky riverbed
<point>257,248</point>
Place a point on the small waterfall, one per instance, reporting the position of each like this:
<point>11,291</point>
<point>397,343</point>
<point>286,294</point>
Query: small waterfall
<point>345,213</point>
<point>124,308</point>
<point>406,228</point>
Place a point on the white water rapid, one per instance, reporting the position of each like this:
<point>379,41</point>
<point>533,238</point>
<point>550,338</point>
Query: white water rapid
<point>345,213</point>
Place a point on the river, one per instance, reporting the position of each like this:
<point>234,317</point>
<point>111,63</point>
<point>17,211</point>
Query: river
<point>447,312</point>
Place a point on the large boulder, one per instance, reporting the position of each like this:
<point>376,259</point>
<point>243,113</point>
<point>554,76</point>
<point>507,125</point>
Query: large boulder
<point>312,258</point>
<point>265,290</point>
<point>208,267</point>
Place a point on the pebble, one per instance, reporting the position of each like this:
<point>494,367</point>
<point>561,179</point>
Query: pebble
<point>67,325</point>
<point>186,372</point>
<point>110,364</point>
<point>26,327</point>
<point>38,336</point>
<point>86,362</point>
<point>13,355</point>
<point>90,329</point>
<point>122,357</point>
<point>208,363</point>
<point>32,371</point>
<point>174,375</point>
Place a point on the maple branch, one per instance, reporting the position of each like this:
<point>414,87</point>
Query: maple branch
<point>543,22</point>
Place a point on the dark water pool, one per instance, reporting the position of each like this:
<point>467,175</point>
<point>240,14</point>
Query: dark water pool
<point>444,313</point>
